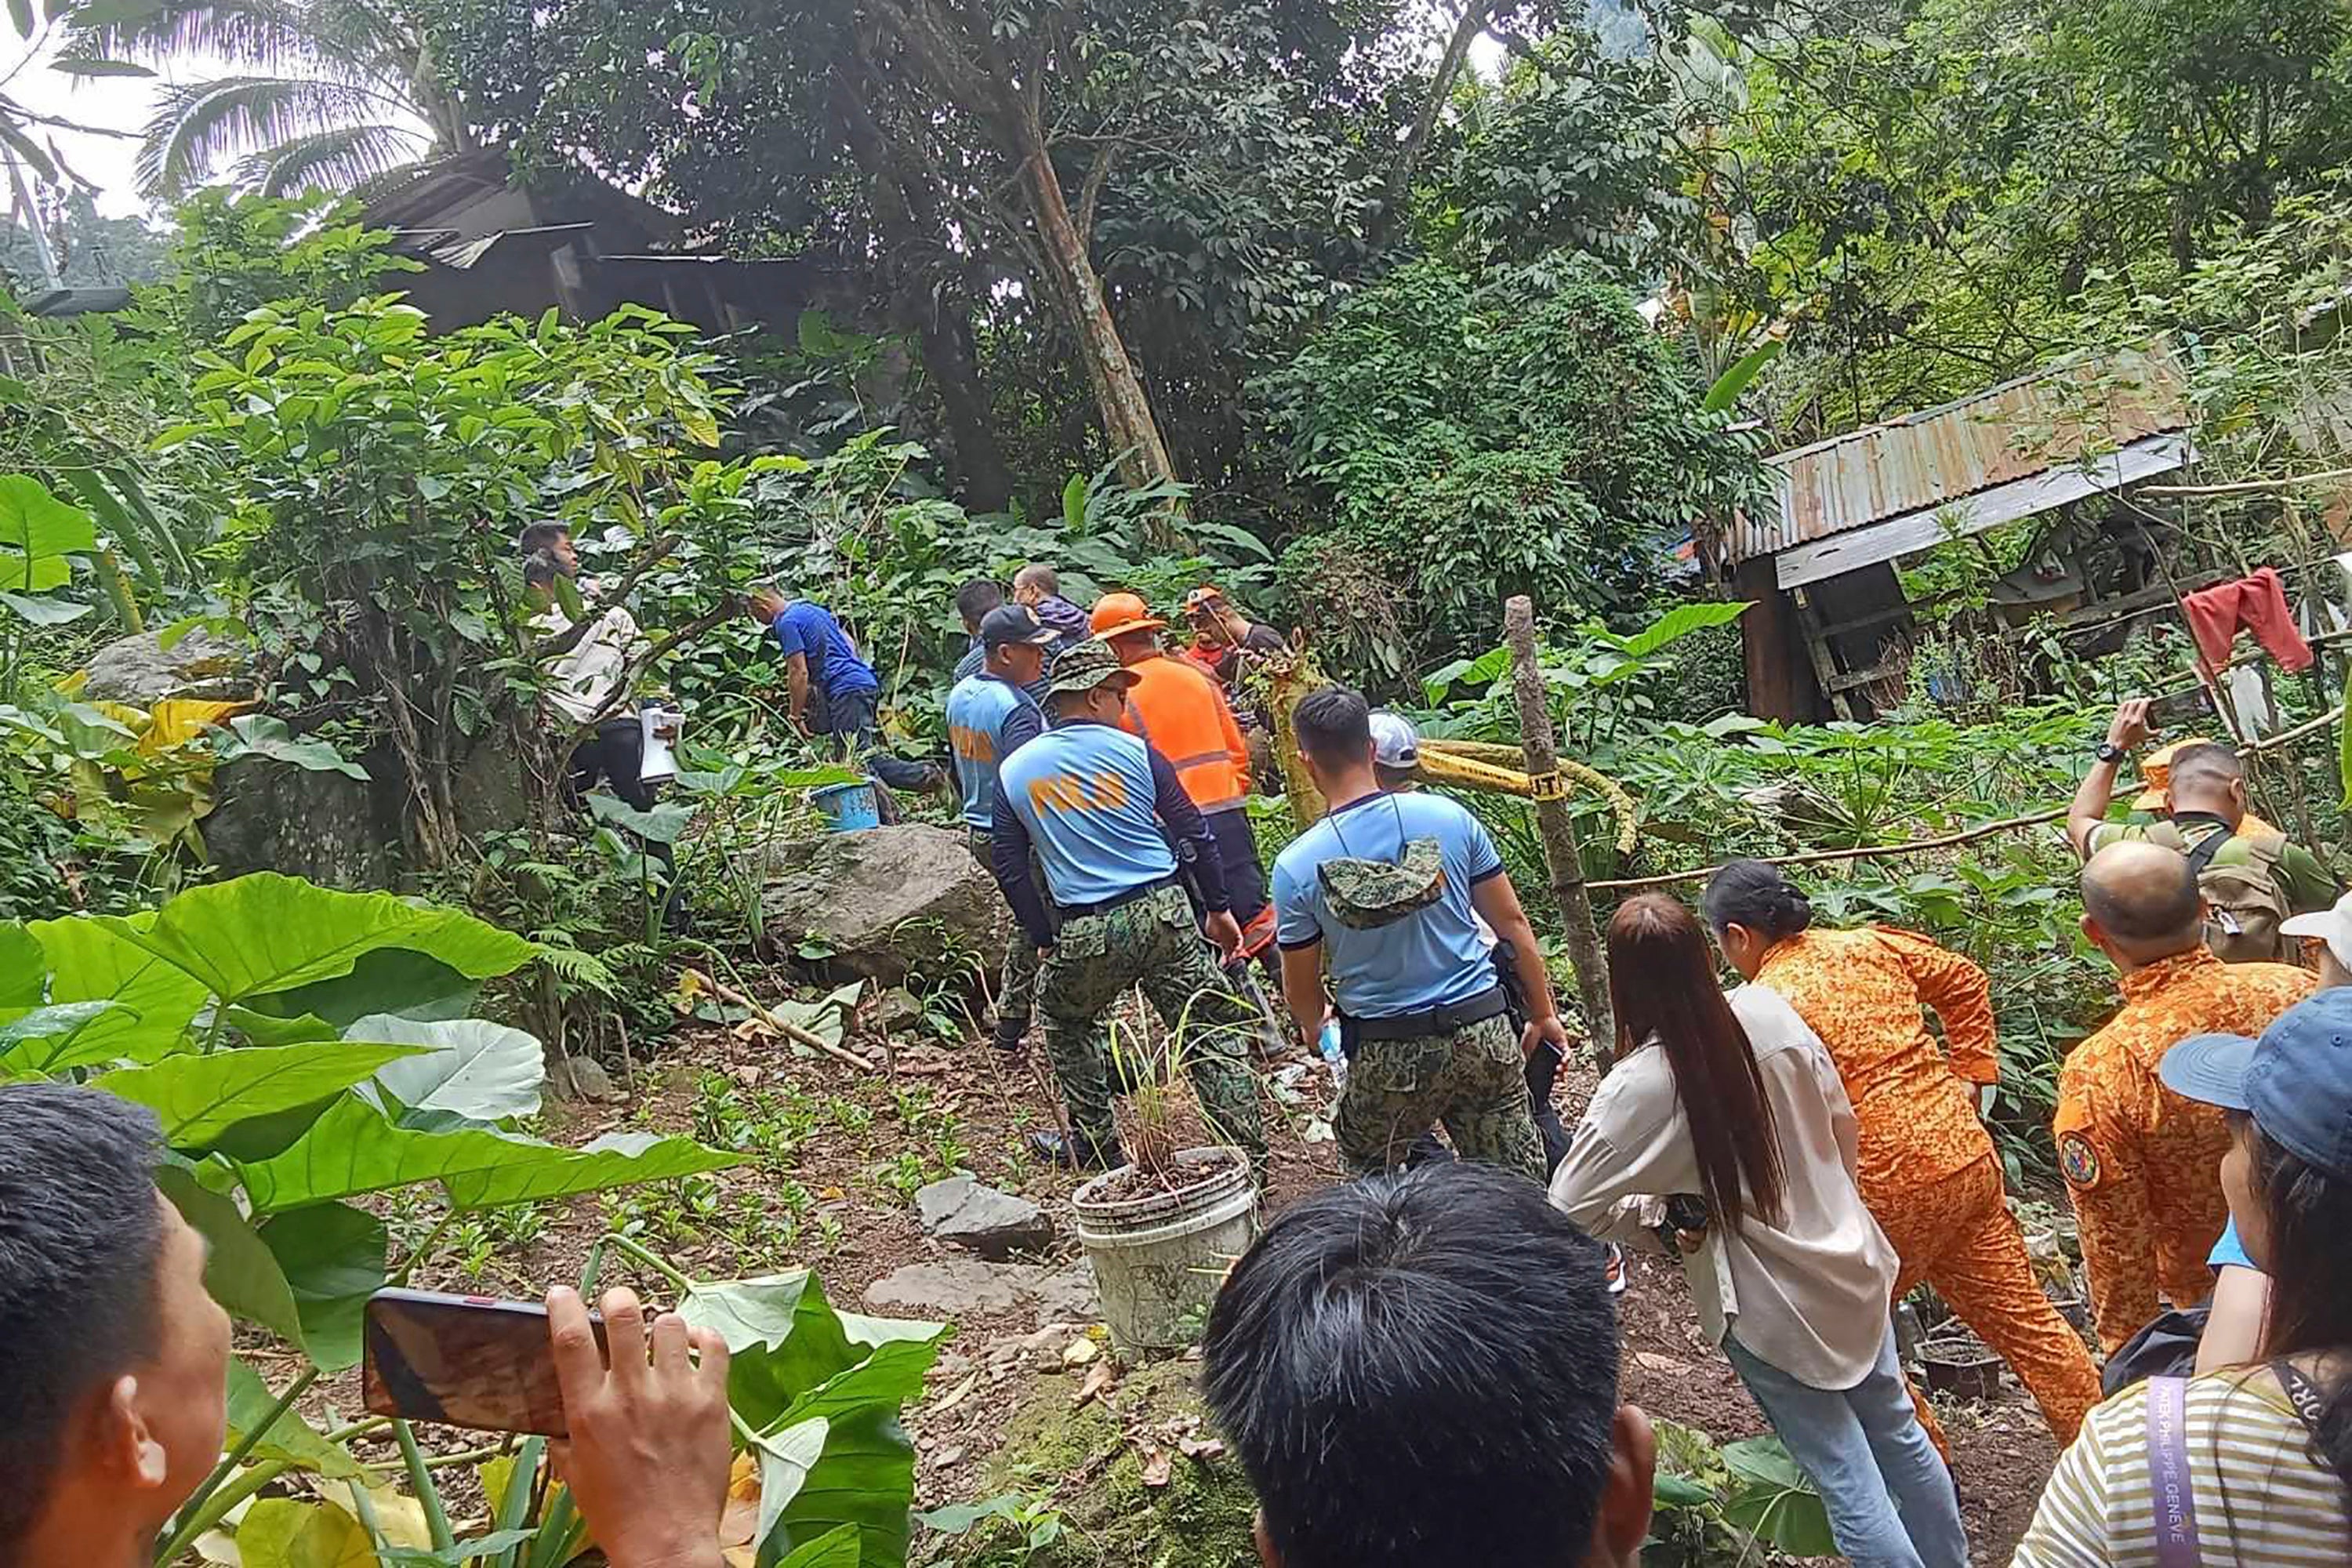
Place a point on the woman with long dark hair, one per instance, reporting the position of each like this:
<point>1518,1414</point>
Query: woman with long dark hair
<point>1724,1126</point>
<point>2252,1464</point>
<point>1927,1167</point>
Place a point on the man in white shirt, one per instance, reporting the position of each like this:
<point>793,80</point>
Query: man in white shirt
<point>586,684</point>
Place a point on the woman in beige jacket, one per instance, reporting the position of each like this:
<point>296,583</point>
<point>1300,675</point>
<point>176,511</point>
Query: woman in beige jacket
<point>1732,1104</point>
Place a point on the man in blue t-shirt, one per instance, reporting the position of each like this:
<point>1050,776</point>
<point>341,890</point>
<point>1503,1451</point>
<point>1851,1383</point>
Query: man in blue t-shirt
<point>1386,890</point>
<point>991,715</point>
<point>1091,799</point>
<point>832,690</point>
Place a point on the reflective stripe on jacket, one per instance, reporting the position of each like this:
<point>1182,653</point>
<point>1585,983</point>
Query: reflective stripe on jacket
<point>1184,714</point>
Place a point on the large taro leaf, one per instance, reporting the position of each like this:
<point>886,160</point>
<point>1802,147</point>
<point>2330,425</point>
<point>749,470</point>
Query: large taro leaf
<point>1773,1500</point>
<point>353,1150</point>
<point>264,933</point>
<point>37,532</point>
<point>240,1272</point>
<point>200,1099</point>
<point>389,980</point>
<point>800,1372</point>
<point>290,1439</point>
<point>307,1276</point>
<point>39,1042</point>
<point>281,1532</point>
<point>91,961</point>
<point>834,1548</point>
<point>22,964</point>
<point>483,1072</point>
<point>332,1256</point>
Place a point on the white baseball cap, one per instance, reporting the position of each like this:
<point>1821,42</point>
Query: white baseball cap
<point>1395,742</point>
<point>2333,927</point>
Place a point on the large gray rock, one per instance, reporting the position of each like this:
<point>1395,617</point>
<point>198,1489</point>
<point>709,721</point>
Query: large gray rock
<point>139,671</point>
<point>963,1213</point>
<point>888,901</point>
<point>958,1287</point>
<point>272,816</point>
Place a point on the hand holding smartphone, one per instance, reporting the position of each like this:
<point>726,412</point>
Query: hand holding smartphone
<point>465,1360</point>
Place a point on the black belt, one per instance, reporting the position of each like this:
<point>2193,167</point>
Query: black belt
<point>1105,905</point>
<point>1489,1003</point>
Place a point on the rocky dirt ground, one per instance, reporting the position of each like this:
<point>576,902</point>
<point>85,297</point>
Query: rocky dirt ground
<point>1022,1403</point>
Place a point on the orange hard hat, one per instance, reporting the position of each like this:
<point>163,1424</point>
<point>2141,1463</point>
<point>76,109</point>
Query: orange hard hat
<point>1116,614</point>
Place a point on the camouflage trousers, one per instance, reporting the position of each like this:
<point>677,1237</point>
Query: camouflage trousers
<point>1151,942</point>
<point>1473,1079</point>
<point>1016,992</point>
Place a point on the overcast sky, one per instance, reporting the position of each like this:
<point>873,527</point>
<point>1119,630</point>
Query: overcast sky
<point>115,103</point>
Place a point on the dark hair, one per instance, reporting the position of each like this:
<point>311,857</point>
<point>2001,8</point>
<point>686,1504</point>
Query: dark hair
<point>1662,987</point>
<point>539,570</point>
<point>1334,726</point>
<point>2208,765</point>
<point>1752,894</point>
<point>1420,1368</point>
<point>538,536</point>
<point>2310,1269</point>
<point>976,598</point>
<point>81,1238</point>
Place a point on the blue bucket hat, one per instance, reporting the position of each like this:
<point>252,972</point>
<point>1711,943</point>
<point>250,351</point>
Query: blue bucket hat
<point>2295,1081</point>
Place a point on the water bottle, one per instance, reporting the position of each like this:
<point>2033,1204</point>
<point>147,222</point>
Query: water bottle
<point>1328,1042</point>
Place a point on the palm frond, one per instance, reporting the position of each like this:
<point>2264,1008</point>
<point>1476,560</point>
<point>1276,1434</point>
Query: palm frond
<point>278,37</point>
<point>197,125</point>
<point>339,160</point>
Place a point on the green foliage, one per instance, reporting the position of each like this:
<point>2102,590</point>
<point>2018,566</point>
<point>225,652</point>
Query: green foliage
<point>1523,432</point>
<point>1718,1504</point>
<point>820,1392</point>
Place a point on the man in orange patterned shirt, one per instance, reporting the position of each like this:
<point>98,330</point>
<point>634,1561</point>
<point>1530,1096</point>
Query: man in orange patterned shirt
<point>2142,1165</point>
<point>1925,1164</point>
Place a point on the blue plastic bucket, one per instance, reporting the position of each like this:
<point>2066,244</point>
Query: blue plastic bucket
<point>846,807</point>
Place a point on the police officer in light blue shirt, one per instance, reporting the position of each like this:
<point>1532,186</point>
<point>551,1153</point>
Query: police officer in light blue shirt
<point>1093,801</point>
<point>1386,892</point>
<point>991,715</point>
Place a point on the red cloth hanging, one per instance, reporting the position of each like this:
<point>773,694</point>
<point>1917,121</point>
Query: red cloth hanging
<point>2256,603</point>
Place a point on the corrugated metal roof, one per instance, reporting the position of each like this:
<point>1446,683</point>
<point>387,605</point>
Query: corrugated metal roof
<point>2049,419</point>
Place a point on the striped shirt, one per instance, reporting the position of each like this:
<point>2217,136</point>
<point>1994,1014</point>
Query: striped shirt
<point>2262,1498</point>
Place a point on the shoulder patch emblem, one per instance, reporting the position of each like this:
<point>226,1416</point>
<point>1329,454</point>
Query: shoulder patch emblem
<point>2078,1160</point>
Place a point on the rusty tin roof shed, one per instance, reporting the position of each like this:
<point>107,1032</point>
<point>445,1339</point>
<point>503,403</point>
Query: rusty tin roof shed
<point>2096,422</point>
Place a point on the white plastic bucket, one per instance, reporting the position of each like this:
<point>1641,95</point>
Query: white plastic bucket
<point>1159,1258</point>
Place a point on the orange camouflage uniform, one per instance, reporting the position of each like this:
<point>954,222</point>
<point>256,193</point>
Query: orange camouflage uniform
<point>1925,1164</point>
<point>2142,1164</point>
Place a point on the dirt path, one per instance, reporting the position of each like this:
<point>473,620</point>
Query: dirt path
<point>836,1160</point>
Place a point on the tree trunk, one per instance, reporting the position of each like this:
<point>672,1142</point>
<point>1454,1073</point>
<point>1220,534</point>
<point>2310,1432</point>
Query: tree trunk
<point>1118,392</point>
<point>1556,829</point>
<point>1398,187</point>
<point>907,212</point>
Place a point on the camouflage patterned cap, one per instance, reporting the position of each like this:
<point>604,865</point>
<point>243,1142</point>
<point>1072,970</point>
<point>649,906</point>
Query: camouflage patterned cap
<point>1084,665</point>
<point>1366,894</point>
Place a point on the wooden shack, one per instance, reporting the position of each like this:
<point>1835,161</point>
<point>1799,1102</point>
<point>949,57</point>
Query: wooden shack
<point>1831,619</point>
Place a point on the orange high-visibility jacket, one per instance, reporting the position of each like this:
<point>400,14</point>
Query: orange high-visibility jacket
<point>1184,714</point>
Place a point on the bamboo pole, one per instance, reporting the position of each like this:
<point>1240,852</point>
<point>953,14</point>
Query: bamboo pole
<point>1556,829</point>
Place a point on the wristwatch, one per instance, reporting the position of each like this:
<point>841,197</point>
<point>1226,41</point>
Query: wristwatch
<point>2109,751</point>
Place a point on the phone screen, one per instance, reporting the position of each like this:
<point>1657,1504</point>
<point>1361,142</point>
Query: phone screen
<point>466,1360</point>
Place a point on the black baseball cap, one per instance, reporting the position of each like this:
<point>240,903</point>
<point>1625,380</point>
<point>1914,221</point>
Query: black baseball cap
<point>1013,623</point>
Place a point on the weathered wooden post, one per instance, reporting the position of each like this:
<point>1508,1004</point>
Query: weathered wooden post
<point>1554,826</point>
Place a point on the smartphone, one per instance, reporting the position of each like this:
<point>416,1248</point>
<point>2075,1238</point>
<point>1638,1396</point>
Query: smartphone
<point>463,1360</point>
<point>2179,708</point>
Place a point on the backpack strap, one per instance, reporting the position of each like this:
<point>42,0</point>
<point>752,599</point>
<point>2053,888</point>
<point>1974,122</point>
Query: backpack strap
<point>2172,1500</point>
<point>2213,843</point>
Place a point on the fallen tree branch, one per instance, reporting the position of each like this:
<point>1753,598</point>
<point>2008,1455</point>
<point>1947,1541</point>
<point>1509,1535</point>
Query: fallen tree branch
<point>783,1026</point>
